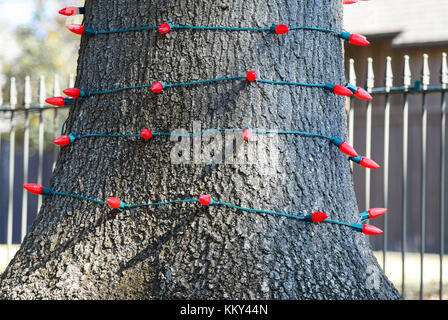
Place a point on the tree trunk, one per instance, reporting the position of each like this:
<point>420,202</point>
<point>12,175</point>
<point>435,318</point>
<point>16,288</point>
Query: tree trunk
<point>80,249</point>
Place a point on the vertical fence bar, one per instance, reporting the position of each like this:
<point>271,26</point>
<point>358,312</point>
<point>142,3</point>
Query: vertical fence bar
<point>444,82</point>
<point>425,84</point>
<point>12,138</point>
<point>406,84</point>
<point>41,137</point>
<point>351,113</point>
<point>388,83</point>
<point>370,85</point>
<point>56,92</point>
<point>26,148</point>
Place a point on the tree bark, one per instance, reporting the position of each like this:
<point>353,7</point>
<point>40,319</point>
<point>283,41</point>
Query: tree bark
<point>79,249</point>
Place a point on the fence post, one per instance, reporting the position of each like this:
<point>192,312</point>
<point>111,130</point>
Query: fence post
<point>388,83</point>
<point>12,137</point>
<point>425,84</point>
<point>40,164</point>
<point>26,148</point>
<point>351,113</point>
<point>407,77</point>
<point>370,86</point>
<point>444,82</point>
<point>56,92</point>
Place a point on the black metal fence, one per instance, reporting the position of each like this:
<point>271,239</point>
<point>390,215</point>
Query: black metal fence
<point>404,128</point>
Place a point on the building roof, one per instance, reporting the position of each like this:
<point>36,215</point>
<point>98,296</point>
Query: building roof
<point>409,22</point>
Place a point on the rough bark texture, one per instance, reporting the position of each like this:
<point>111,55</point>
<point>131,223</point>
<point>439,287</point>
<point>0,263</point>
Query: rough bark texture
<point>78,249</point>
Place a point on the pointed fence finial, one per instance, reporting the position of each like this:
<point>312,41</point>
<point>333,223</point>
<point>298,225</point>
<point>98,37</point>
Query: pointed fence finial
<point>444,71</point>
<point>42,95</point>
<point>352,73</point>
<point>389,78</point>
<point>426,74</point>
<point>56,86</point>
<point>13,93</point>
<point>27,93</point>
<point>370,75</point>
<point>71,82</point>
<point>407,76</point>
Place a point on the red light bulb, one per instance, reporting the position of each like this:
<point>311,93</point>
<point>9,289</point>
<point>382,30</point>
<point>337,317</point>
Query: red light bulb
<point>371,230</point>
<point>34,188</point>
<point>69,11</point>
<point>349,1</point>
<point>114,202</point>
<point>164,28</point>
<point>76,28</point>
<point>56,101</point>
<point>251,76</point>
<point>62,140</point>
<point>358,40</point>
<point>342,90</point>
<point>348,149</point>
<point>205,199</point>
<point>281,29</point>
<point>319,216</point>
<point>363,94</point>
<point>376,212</point>
<point>146,134</point>
<point>369,163</point>
<point>73,92</point>
<point>247,134</point>
<point>157,87</point>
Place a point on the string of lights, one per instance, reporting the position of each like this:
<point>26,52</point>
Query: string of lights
<point>208,201</point>
<point>279,29</point>
<point>71,11</point>
<point>247,133</point>
<point>251,76</point>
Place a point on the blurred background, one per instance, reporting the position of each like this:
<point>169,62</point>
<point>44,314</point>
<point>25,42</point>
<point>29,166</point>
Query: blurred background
<point>404,129</point>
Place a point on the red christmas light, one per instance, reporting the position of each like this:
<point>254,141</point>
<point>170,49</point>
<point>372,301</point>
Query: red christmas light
<point>348,149</point>
<point>157,87</point>
<point>363,94</point>
<point>369,163</point>
<point>69,11</point>
<point>146,134</point>
<point>34,188</point>
<point>376,212</point>
<point>319,216</point>
<point>114,202</point>
<point>62,140</point>
<point>205,199</point>
<point>281,29</point>
<point>349,1</point>
<point>251,76</point>
<point>342,90</point>
<point>164,28</point>
<point>73,92</point>
<point>358,40</point>
<point>56,101</point>
<point>371,230</point>
<point>247,134</point>
<point>76,28</point>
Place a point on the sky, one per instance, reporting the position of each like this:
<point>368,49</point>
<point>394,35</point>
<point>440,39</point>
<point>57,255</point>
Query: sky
<point>15,12</point>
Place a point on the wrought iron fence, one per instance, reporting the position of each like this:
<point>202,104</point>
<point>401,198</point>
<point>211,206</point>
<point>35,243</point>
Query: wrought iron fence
<point>388,100</point>
<point>365,121</point>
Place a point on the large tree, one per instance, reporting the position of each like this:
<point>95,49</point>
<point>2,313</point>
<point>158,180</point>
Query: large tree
<point>80,249</point>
